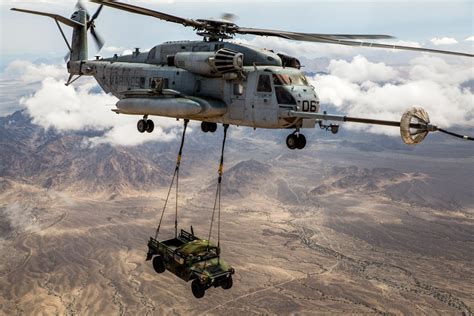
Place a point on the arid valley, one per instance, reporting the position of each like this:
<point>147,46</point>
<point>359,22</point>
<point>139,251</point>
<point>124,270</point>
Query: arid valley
<point>352,224</point>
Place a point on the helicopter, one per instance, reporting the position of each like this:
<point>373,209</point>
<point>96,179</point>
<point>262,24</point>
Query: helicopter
<point>218,81</point>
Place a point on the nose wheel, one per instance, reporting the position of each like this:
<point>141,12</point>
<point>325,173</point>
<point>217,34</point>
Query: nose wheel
<point>208,127</point>
<point>296,141</point>
<point>145,125</point>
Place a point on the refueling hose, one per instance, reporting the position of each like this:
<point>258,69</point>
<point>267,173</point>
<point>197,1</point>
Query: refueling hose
<point>455,135</point>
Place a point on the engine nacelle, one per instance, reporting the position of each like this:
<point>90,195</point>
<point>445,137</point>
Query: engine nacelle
<point>210,64</point>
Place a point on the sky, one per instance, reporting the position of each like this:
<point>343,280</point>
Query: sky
<point>358,81</point>
<point>415,21</point>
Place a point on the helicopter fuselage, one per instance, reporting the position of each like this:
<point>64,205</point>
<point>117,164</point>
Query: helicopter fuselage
<point>151,84</point>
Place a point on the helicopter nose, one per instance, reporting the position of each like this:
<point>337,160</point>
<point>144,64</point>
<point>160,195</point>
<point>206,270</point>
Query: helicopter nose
<point>306,99</point>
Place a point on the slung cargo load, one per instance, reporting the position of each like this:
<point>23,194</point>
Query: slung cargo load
<point>191,259</point>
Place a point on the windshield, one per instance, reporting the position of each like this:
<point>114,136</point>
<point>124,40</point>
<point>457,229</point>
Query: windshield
<point>289,80</point>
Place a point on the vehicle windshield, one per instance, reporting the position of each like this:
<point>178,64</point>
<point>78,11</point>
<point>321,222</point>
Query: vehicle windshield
<point>290,80</point>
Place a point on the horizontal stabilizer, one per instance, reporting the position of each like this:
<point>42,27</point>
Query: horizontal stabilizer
<point>57,17</point>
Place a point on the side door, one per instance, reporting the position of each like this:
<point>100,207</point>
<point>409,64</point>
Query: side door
<point>236,94</point>
<point>264,106</point>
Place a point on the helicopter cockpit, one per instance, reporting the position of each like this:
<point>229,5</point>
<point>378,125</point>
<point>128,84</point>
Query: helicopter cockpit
<point>290,79</point>
<point>291,88</point>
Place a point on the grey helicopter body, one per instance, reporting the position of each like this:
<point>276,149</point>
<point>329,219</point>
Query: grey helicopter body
<point>216,81</point>
<point>175,79</point>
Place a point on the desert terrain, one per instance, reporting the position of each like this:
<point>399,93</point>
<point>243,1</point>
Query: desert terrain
<point>352,224</point>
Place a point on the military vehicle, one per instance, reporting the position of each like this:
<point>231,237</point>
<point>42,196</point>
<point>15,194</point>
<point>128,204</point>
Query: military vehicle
<point>215,81</point>
<point>191,259</point>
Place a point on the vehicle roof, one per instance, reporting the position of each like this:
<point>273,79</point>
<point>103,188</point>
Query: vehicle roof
<point>195,247</point>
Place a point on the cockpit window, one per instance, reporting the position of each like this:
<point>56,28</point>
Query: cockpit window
<point>264,84</point>
<point>290,80</point>
<point>283,96</point>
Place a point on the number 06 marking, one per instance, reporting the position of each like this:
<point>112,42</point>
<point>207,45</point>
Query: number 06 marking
<point>310,107</point>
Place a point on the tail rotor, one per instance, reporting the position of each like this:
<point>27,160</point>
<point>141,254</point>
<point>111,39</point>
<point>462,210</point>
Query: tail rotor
<point>90,25</point>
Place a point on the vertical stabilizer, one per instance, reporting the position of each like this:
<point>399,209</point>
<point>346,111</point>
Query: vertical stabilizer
<point>79,36</point>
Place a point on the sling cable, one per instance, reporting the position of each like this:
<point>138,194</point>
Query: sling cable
<point>187,256</point>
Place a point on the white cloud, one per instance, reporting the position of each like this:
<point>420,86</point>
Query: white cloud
<point>430,83</point>
<point>470,39</point>
<point>293,48</point>
<point>360,70</point>
<point>27,72</point>
<point>111,50</point>
<point>77,107</point>
<point>436,69</point>
<point>444,41</point>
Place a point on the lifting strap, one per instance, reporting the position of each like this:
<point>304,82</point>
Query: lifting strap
<point>217,200</point>
<point>175,176</point>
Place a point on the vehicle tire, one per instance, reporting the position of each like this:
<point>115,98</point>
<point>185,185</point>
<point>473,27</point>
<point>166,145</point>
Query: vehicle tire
<point>212,127</point>
<point>300,141</point>
<point>291,141</point>
<point>228,283</point>
<point>159,264</point>
<point>205,127</point>
<point>141,126</point>
<point>150,126</point>
<point>198,289</point>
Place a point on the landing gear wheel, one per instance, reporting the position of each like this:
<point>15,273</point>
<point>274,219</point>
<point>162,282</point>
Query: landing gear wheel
<point>158,264</point>
<point>198,289</point>
<point>205,127</point>
<point>228,283</point>
<point>150,126</point>
<point>141,126</point>
<point>300,141</point>
<point>212,127</point>
<point>291,141</point>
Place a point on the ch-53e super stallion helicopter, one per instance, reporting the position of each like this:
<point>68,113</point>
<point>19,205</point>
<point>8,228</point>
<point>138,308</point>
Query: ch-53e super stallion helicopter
<point>215,81</point>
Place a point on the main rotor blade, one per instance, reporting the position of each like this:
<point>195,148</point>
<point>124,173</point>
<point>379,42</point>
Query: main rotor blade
<point>354,36</point>
<point>399,47</point>
<point>148,12</point>
<point>339,39</point>
<point>309,37</point>
<point>59,18</point>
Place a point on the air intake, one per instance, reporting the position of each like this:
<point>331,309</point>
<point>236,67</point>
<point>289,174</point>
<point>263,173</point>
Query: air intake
<point>226,61</point>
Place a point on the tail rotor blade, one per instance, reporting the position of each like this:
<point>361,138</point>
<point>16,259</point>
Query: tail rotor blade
<point>97,38</point>
<point>96,14</point>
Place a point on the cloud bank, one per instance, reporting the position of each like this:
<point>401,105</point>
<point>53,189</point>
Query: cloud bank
<point>80,107</point>
<point>364,89</point>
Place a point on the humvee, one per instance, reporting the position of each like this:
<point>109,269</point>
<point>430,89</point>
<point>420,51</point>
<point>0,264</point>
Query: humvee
<point>191,259</point>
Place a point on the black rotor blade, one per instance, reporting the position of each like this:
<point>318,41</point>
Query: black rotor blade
<point>398,47</point>
<point>336,39</point>
<point>96,14</point>
<point>310,37</point>
<point>148,12</point>
<point>97,38</point>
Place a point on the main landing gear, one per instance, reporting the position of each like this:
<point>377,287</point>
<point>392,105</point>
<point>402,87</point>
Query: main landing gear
<point>145,125</point>
<point>296,141</point>
<point>208,127</point>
